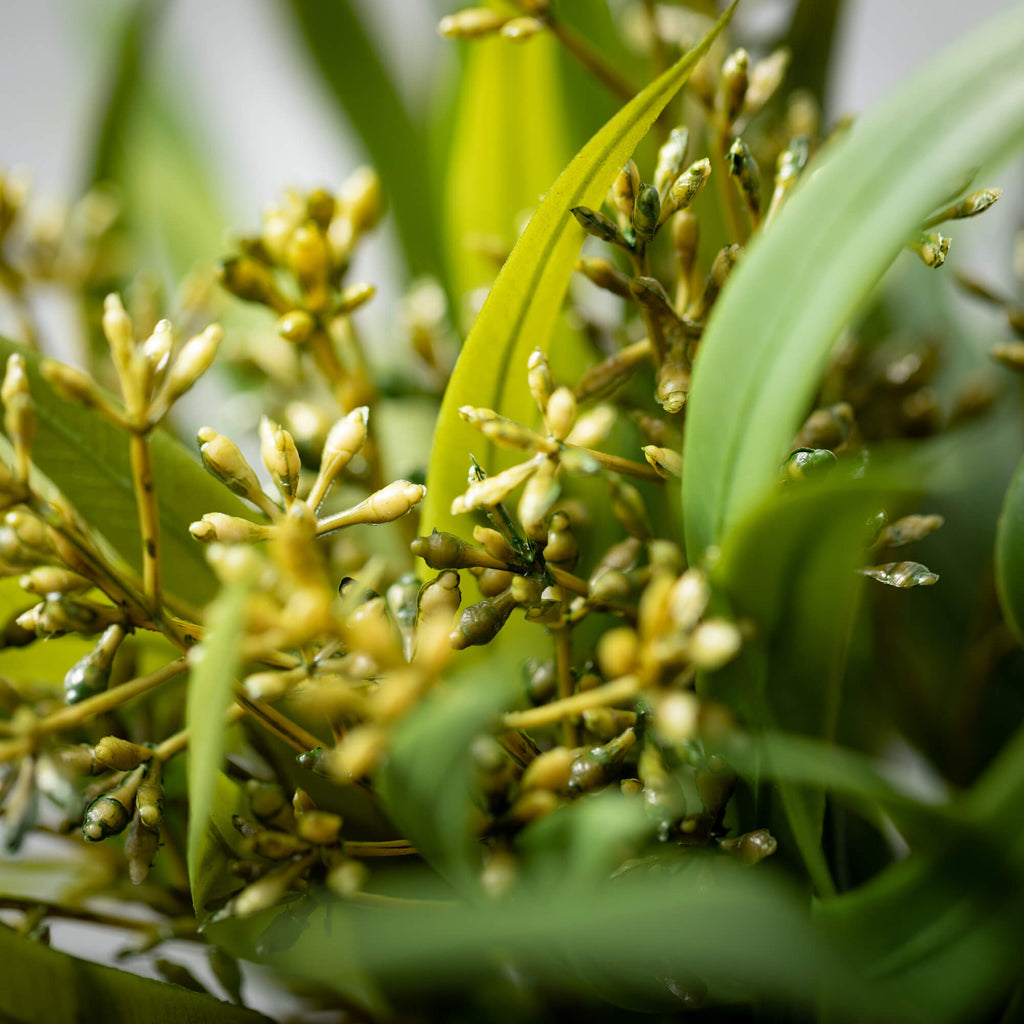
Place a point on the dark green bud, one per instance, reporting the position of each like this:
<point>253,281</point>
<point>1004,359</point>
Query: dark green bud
<point>646,212</point>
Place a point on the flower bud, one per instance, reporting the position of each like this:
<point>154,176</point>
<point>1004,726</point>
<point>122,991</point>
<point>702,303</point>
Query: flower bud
<point>670,160</point>
<point>280,456</point>
<point>224,459</point>
<point>194,359</point>
<point>344,439</point>
<point>118,330</point>
<point>121,755</point>
<point>471,23</point>
<point>225,529</point>
<point>598,225</point>
<point>383,506</point>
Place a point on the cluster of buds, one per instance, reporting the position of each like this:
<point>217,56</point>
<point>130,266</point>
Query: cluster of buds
<point>223,458</point>
<point>478,22</point>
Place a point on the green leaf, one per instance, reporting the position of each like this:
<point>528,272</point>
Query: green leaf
<point>811,40</point>
<point>210,686</point>
<point>1010,554</point>
<point>524,303</point>
<point>395,137</point>
<point>789,568</point>
<point>508,146</point>
<point>424,779</point>
<point>763,354</point>
<point>42,985</point>
<point>86,458</point>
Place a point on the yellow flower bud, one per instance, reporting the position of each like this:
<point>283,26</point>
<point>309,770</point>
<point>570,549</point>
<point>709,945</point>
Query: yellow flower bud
<point>471,23</point>
<point>382,506</point>
<point>280,456</point>
<point>492,490</point>
<point>344,439</point>
<point>665,461</point>
<point>560,413</point>
<point>118,330</point>
<point>225,529</point>
<point>194,359</point>
<point>224,459</point>
<point>714,643</point>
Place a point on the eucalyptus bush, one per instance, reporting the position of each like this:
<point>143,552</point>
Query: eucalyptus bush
<point>610,701</point>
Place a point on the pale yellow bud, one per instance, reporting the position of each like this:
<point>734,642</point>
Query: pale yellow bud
<point>49,579</point>
<point>223,458</point>
<point>118,330</point>
<point>471,22</point>
<point>714,643</point>
<point>560,413</point>
<point>383,506</point>
<point>617,651</point>
<point>280,456</point>
<point>764,79</point>
<point>357,754</point>
<point>593,427</point>
<point>665,461</point>
<point>216,526</point>
<point>363,200</point>
<point>70,383</point>
<point>521,29</point>
<point>308,255</point>
<point>492,490</point>
<point>119,754</point>
<point>15,379</point>
<point>538,376</point>
<point>355,296</point>
<point>550,770</point>
<point>194,359</point>
<point>539,495</point>
<point>344,439</point>
<point>677,717</point>
<point>688,599</point>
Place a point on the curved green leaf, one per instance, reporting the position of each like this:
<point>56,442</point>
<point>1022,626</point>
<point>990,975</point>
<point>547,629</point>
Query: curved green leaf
<point>209,695</point>
<point>507,148</point>
<point>41,985</point>
<point>87,460</point>
<point>524,303</point>
<point>801,281</point>
<point>395,138</point>
<point>789,569</point>
<point>1010,554</point>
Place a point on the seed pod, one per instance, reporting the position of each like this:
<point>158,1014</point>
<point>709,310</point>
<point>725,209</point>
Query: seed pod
<point>532,805</point>
<point>902,574</point>
<point>539,495</point>
<point>618,651</point>
<point>550,770</point>
<point>604,274</point>
<point>50,579</point>
<point>624,190</point>
<point>495,544</point>
<point>664,461</point>
<point>224,529</point>
<point>363,200</point>
<point>121,755</point>
<point>439,599</point>
<point>671,157</point>
<point>280,456</point>
<point>646,212</point>
<point>140,846</point>
<point>471,23</point>
<point>296,326</point>
<point>751,847</point>
<point>606,723</point>
<point>598,225</point>
<point>479,623</point>
<point>908,530</point>
<point>274,845</point>
<point>685,189</point>
<point>493,490</point>
<point>560,413</point>
<point>664,799</point>
<point>493,581</point>
<point>826,428</point>
<point>732,87</point>
<point>248,280</point>
<point>673,383</point>
<point>969,206</point>
<point>79,760</point>
<point>383,506</point>
<point>63,614</point>
<point>150,799</point>
<point>713,643</point>
<point>602,380</point>
<point>540,680</point>
<point>110,812</point>
<point>932,247</point>
<point>446,551</point>
<point>807,463</point>
<point>538,376</point>
<point>743,170</point>
<point>764,79</point>
<point>596,766</point>
<point>505,431</point>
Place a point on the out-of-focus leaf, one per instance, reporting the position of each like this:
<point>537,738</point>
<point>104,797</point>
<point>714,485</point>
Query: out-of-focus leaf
<point>508,146</point>
<point>209,695</point>
<point>394,137</point>
<point>218,842</point>
<point>801,281</point>
<point>524,303</point>
<point>87,460</point>
<point>790,568</point>
<point>423,783</point>
<point>811,38</point>
<point>1010,554</point>
<point>41,986</point>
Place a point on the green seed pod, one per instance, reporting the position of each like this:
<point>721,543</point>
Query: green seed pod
<point>91,674</point>
<point>248,280</point>
<point>224,459</point>
<point>902,574</point>
<point>296,326</point>
<point>111,812</point>
<point>646,212</point>
<point>479,623</point>
<point>604,274</point>
<point>280,456</point>
<point>724,261</point>
<point>264,892</point>
<point>764,79</point>
<point>606,723</point>
<point>908,530</point>
<point>319,827</point>
<point>50,579</point>
<point>595,767</point>
<point>268,803</point>
<point>79,760</point>
<point>533,805</point>
<point>969,206</point>
<point>686,188</point>
<point>744,171</point>
<point>540,679</point>
<point>140,845</point>
<point>550,770</point>
<point>150,799</point>
<point>932,247</point>
<point>494,581</point>
<point>671,157</point>
<point>446,551</point>
<point>624,190</point>
<point>806,463</point>
<point>598,225</point>
<point>751,847</point>
<point>673,384</point>
<point>628,507</point>
<point>121,755</point>
<point>274,845</point>
<point>664,461</point>
<point>439,597</point>
<point>618,651</point>
<point>826,428</point>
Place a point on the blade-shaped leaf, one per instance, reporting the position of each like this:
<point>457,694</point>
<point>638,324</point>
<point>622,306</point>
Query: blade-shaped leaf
<point>394,137</point>
<point>524,303</point>
<point>801,281</point>
<point>209,696</point>
<point>1010,554</point>
<point>42,985</point>
<point>87,460</point>
<point>790,570</point>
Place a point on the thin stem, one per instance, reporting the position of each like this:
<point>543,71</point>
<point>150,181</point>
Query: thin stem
<point>617,464</point>
<point>275,722</point>
<point>179,741</point>
<point>608,695</point>
<point>726,188</point>
<point>574,584</point>
<point>395,848</point>
<point>579,49</point>
<point>563,670</point>
<point>80,914</point>
<point>149,520</point>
